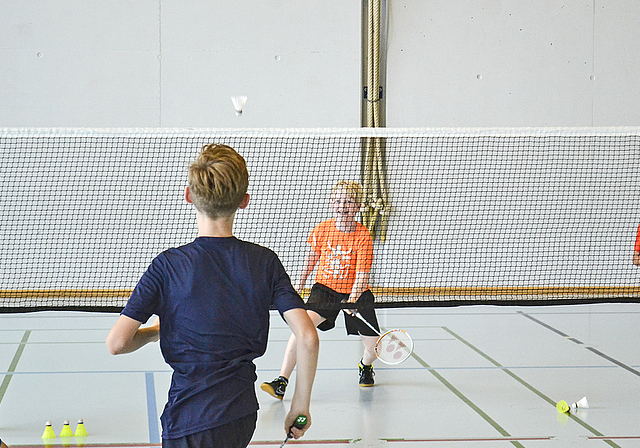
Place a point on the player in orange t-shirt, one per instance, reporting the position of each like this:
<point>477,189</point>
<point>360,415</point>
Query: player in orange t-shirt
<point>636,249</point>
<point>343,250</point>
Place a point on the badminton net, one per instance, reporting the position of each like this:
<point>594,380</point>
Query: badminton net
<point>459,216</point>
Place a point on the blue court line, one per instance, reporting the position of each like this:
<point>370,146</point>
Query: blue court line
<point>152,409</point>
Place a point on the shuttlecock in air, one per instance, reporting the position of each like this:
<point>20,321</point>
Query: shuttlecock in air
<point>238,103</point>
<point>582,404</point>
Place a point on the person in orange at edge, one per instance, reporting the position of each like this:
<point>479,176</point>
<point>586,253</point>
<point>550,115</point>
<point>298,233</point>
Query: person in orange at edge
<point>343,250</point>
<point>636,249</point>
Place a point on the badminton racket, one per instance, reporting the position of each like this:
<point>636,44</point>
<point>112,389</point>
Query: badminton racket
<point>393,346</point>
<point>301,422</point>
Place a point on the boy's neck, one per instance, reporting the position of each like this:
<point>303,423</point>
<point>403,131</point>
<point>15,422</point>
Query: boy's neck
<point>346,226</point>
<point>220,228</point>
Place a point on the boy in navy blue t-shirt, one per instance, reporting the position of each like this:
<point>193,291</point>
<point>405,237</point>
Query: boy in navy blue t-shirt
<point>212,298</point>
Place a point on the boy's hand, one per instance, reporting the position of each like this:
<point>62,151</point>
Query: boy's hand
<point>289,421</point>
<point>353,298</point>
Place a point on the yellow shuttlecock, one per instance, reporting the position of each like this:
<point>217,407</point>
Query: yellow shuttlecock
<point>80,429</point>
<point>66,430</point>
<point>48,432</point>
<point>562,406</point>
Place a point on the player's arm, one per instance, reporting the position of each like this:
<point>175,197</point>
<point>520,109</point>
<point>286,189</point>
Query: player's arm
<point>359,286</point>
<point>310,261</point>
<point>126,335</point>
<point>307,359</point>
<point>364,256</point>
<point>636,258</point>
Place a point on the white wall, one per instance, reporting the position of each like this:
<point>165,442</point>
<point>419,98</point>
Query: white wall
<point>170,63</point>
<point>513,63</point>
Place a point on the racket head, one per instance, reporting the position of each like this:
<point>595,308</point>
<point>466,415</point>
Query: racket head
<point>394,346</point>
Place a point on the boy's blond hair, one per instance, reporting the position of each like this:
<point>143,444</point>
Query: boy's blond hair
<point>353,189</point>
<point>218,180</point>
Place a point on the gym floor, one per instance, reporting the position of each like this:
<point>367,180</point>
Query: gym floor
<point>480,376</point>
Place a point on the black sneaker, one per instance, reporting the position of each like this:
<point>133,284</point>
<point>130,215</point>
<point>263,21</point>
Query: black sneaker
<point>366,375</point>
<point>276,388</point>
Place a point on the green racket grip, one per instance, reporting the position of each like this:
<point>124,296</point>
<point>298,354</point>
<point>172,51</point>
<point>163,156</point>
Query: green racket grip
<point>301,421</point>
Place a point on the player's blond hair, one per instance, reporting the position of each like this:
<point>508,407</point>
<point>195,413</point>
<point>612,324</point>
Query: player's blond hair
<point>218,180</point>
<point>353,189</point>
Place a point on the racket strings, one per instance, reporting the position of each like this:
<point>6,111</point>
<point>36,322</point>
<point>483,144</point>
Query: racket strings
<point>394,347</point>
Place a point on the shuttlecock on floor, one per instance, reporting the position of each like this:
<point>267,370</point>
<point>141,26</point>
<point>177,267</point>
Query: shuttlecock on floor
<point>562,406</point>
<point>66,430</point>
<point>48,432</point>
<point>582,404</point>
<point>80,429</point>
<point>238,103</point>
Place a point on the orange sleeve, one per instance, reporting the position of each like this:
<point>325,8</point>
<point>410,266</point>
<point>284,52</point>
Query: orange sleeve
<point>637,245</point>
<point>315,236</point>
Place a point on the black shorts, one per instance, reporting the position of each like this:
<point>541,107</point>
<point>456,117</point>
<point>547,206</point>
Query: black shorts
<point>235,434</point>
<point>323,295</point>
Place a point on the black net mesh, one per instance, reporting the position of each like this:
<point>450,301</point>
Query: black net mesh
<point>459,216</point>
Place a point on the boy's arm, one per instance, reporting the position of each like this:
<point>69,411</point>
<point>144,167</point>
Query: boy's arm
<point>310,261</point>
<point>359,286</point>
<point>636,258</point>
<point>307,359</point>
<point>126,335</point>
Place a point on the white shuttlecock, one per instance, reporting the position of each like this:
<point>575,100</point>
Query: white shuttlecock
<point>582,403</point>
<point>238,103</point>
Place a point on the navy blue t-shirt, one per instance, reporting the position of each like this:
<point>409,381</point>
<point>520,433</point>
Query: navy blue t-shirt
<point>213,298</point>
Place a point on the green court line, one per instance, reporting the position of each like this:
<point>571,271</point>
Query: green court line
<point>468,402</point>
<point>14,364</point>
<point>527,385</point>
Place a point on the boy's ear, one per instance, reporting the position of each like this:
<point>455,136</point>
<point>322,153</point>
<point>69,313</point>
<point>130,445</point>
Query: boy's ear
<point>245,201</point>
<point>187,195</point>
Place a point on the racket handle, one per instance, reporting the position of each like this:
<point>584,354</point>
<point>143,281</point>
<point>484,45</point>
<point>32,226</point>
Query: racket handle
<point>300,422</point>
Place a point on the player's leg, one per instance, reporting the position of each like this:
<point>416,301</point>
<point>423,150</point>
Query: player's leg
<point>365,367</point>
<point>368,336</point>
<point>369,354</point>
<point>278,386</point>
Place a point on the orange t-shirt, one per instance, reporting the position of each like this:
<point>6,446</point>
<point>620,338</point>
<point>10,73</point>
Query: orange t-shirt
<point>637,245</point>
<point>341,254</point>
